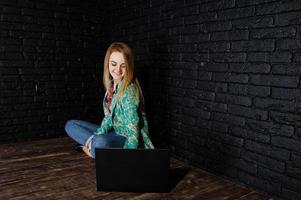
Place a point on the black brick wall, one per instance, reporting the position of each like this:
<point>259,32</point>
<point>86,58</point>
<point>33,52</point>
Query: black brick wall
<point>50,52</point>
<point>221,78</point>
<point>222,84</point>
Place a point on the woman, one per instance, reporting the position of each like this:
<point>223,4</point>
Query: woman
<point>124,122</point>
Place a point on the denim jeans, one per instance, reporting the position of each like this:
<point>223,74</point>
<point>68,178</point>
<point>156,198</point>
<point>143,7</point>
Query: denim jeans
<point>80,131</point>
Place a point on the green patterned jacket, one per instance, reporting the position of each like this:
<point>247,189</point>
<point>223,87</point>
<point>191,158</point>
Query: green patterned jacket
<point>126,118</point>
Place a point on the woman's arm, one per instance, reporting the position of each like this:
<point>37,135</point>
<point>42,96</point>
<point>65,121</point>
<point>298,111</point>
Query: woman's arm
<point>130,103</point>
<point>105,126</point>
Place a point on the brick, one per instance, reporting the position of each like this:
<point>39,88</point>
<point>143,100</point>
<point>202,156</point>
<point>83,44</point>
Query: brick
<point>11,10</point>
<point>261,91</point>
<point>253,45</point>
<point>236,13</point>
<point>207,17</point>
<point>277,105</point>
<point>223,4</point>
<point>286,118</point>
<point>182,48</point>
<point>273,152</point>
<point>275,80</point>
<point>227,139</point>
<point>287,69</point>
<point>193,19</point>
<point>264,161</point>
<point>187,120</point>
<point>204,95</point>
<point>286,93</point>
<point>296,160</point>
<point>216,67</point>
<point>297,58</point>
<point>233,99</point>
<point>287,143</point>
<point>195,38</point>
<point>185,65</point>
<point>277,57</point>
<point>258,57</point>
<point>293,171</point>
<point>290,182</point>
<point>203,76</point>
<point>228,57</point>
<point>188,29</point>
<point>230,35</point>
<point>230,77</point>
<point>290,18</point>
<point>279,32</point>
<point>214,47</point>
<point>190,74</point>
<point>215,26</point>
<point>249,134</point>
<point>238,89</point>
<point>248,112</point>
<point>250,67</point>
<point>269,128</point>
<point>227,118</point>
<point>280,57</point>
<point>181,101</point>
<point>211,106</point>
<point>189,84</point>
<point>253,22</point>
<point>26,3</point>
<point>217,126</point>
<point>190,57</point>
<point>277,7</point>
<point>288,44</point>
<point>242,3</point>
<point>212,86</point>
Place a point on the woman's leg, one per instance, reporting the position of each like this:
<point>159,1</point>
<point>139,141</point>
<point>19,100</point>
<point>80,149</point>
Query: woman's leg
<point>108,140</point>
<point>80,130</point>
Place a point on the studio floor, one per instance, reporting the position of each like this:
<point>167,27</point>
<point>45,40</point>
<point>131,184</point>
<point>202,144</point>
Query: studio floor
<point>51,169</point>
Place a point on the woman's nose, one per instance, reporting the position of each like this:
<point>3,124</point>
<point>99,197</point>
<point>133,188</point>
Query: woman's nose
<point>118,68</point>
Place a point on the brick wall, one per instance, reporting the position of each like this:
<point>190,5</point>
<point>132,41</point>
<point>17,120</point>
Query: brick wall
<point>222,84</point>
<point>221,78</point>
<point>49,66</point>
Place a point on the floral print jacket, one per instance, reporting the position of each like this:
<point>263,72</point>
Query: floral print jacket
<point>127,118</point>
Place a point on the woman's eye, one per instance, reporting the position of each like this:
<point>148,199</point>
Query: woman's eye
<point>114,65</point>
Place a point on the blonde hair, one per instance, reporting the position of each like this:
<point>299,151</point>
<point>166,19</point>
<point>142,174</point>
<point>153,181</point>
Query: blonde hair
<point>129,76</point>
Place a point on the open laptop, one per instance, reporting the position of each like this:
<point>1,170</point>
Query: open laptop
<point>132,170</point>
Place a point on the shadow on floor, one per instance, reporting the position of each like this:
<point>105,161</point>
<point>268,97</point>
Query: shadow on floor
<point>176,175</point>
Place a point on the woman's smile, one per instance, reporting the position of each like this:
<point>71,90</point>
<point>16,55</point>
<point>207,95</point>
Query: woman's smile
<point>117,66</point>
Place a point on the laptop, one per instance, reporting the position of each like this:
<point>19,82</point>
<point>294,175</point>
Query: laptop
<point>132,170</point>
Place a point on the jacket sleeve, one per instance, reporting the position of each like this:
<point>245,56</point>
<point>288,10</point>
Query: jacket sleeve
<point>105,126</point>
<point>106,123</point>
<point>130,104</point>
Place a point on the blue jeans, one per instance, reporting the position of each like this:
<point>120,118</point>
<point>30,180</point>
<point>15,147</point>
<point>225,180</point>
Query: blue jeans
<point>80,131</point>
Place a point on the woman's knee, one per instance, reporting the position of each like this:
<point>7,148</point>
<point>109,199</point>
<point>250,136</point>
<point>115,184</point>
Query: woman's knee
<point>70,124</point>
<point>99,142</point>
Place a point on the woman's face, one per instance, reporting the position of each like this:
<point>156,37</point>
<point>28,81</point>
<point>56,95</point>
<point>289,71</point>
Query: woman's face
<point>117,66</point>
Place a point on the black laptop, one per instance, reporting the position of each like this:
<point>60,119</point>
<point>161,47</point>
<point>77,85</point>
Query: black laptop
<point>132,170</point>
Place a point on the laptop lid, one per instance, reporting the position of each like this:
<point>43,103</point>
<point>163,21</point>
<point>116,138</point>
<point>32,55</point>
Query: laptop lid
<point>132,170</point>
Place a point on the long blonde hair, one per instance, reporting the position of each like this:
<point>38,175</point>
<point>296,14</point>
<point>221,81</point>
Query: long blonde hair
<point>129,76</point>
